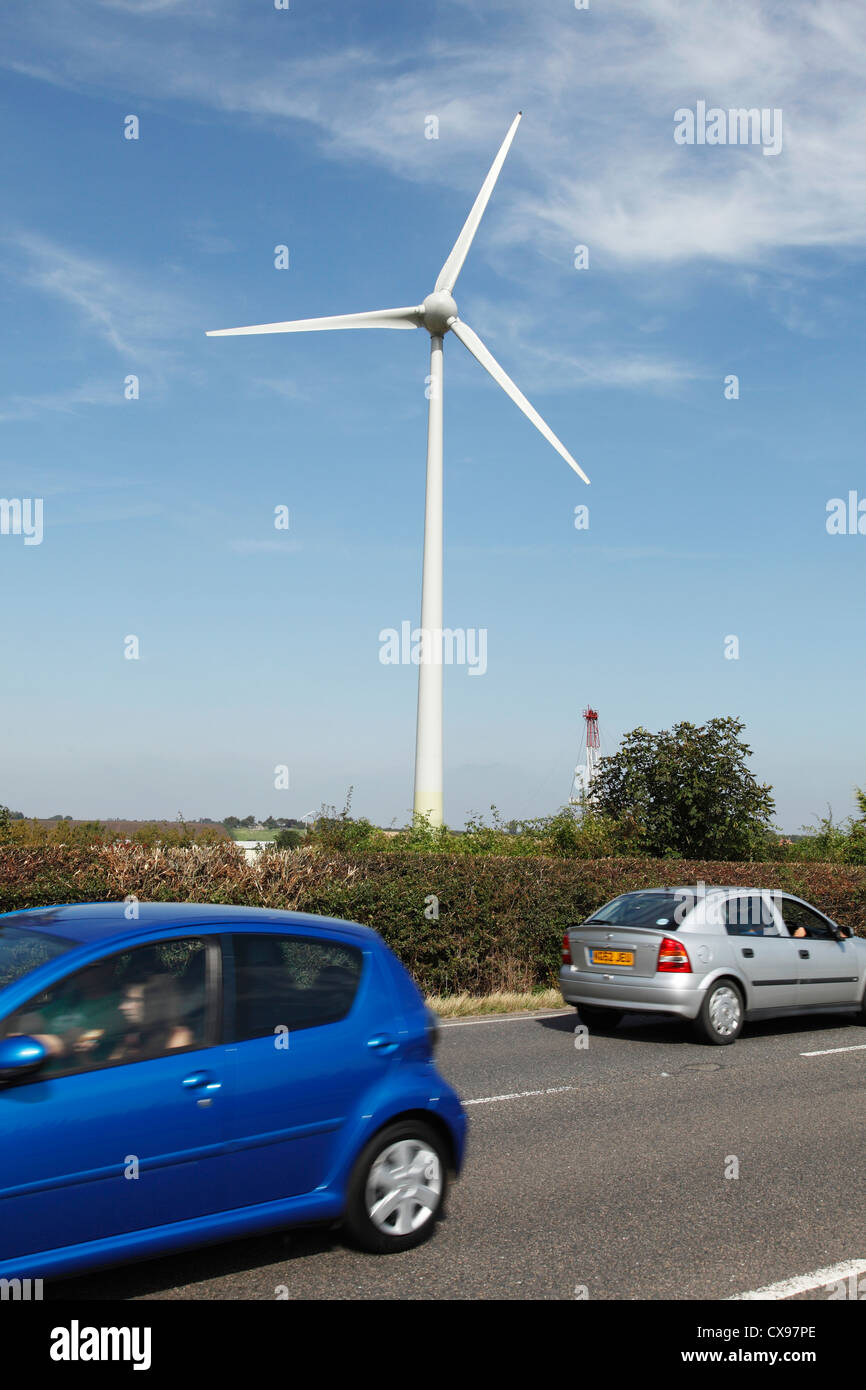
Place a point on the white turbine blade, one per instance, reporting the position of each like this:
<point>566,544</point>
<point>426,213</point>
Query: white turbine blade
<point>376,318</point>
<point>452,267</point>
<point>488,361</point>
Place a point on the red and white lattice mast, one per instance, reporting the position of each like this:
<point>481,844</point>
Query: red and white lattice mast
<point>585,772</point>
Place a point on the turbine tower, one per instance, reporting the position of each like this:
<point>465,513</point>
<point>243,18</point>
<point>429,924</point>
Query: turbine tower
<point>438,314</point>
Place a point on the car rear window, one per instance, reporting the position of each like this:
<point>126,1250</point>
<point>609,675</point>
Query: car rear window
<point>291,982</point>
<point>643,910</point>
<point>23,950</point>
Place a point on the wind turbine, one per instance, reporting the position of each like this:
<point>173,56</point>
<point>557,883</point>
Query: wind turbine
<point>438,314</point>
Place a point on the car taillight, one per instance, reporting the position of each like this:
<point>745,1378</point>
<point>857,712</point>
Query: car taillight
<point>566,950</point>
<point>673,956</point>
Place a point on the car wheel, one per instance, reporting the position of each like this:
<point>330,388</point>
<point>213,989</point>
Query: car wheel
<point>597,1016</point>
<point>720,1020</point>
<point>397,1188</point>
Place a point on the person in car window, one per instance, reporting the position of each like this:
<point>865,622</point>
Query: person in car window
<point>152,1010</point>
<point>80,1019</point>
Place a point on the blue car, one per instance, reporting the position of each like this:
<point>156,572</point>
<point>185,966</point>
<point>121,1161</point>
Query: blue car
<point>174,1074</point>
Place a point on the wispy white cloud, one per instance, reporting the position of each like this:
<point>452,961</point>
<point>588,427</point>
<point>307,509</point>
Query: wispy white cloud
<point>143,7</point>
<point>28,407</point>
<point>144,322</point>
<point>598,156</point>
<point>210,240</point>
<point>130,313</point>
<point>595,160</point>
<point>518,338</point>
<point>283,387</point>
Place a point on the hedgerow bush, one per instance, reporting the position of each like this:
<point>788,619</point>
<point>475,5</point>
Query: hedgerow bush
<point>573,832</point>
<point>500,919</point>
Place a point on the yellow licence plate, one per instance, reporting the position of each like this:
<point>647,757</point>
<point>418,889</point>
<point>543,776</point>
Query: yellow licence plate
<point>613,957</point>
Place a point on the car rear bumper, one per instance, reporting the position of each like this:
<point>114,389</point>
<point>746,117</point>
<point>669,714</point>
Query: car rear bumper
<point>671,994</point>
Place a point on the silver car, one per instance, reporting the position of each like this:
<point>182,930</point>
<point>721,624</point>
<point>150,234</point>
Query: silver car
<point>716,956</point>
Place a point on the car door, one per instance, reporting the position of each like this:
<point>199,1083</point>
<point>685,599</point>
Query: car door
<point>314,1031</point>
<point>829,969</point>
<point>96,1145</point>
<point>762,949</point>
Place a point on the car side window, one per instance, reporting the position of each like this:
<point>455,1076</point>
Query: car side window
<point>129,1007</point>
<point>291,982</point>
<point>749,914</point>
<point>796,915</point>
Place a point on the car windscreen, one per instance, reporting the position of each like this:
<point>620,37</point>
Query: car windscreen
<point>22,950</point>
<point>642,910</point>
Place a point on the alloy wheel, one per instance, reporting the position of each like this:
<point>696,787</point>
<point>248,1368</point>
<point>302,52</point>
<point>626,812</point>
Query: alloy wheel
<point>404,1187</point>
<point>725,1011</point>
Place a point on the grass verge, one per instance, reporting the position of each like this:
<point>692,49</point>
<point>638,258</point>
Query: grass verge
<point>502,1002</point>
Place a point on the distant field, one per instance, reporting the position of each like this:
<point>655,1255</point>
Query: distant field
<point>253,834</point>
<point>129,827</point>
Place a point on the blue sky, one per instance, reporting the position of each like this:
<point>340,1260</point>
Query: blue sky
<point>306,127</point>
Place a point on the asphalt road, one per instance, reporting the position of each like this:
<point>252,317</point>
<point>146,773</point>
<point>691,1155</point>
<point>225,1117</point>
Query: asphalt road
<point>607,1181</point>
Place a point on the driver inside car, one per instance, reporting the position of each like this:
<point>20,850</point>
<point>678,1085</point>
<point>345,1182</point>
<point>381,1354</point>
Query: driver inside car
<point>81,1019</point>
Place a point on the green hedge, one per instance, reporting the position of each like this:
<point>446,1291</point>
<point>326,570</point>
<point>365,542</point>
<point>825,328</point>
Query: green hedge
<point>500,920</point>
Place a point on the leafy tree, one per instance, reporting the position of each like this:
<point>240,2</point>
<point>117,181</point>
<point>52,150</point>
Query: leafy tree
<point>832,841</point>
<point>856,849</point>
<point>824,842</point>
<point>231,822</point>
<point>84,834</point>
<point>288,839</point>
<point>686,791</point>
<point>338,831</point>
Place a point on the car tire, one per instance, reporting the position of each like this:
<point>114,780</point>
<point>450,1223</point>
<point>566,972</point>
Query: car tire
<point>720,1020</point>
<point>401,1159</point>
<point>596,1016</point>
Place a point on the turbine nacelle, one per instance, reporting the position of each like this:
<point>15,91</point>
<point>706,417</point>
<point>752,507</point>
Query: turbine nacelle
<point>439,312</point>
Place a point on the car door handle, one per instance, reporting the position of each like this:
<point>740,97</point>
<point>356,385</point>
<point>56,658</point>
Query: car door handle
<point>804,955</point>
<point>382,1042</point>
<point>201,1081</point>
<point>747,951</point>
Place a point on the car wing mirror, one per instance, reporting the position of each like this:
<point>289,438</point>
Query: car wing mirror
<point>20,1056</point>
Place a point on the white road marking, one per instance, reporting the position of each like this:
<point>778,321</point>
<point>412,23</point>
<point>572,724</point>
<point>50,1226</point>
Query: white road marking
<point>506,1018</point>
<point>825,1051</point>
<point>802,1283</point>
<point>519,1095</point>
